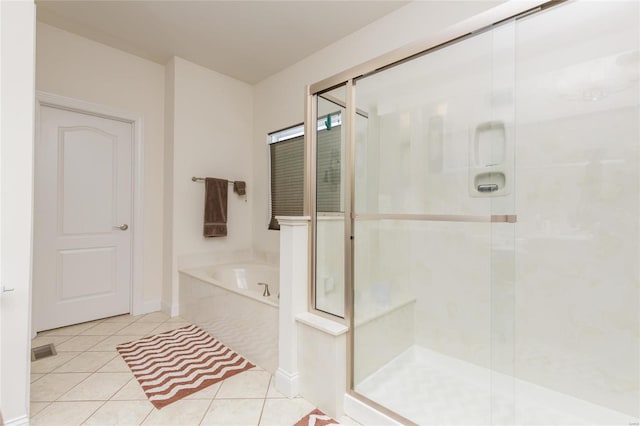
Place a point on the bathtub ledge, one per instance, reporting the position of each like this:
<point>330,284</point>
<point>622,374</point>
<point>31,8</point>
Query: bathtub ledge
<point>327,326</point>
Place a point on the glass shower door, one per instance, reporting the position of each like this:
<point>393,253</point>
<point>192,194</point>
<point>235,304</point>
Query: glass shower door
<point>433,235</point>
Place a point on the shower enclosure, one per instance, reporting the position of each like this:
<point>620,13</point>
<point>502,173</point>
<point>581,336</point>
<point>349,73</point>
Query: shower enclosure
<point>476,219</point>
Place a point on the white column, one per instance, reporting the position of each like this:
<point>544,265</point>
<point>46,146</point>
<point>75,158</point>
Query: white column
<point>294,248</point>
<point>17,31</point>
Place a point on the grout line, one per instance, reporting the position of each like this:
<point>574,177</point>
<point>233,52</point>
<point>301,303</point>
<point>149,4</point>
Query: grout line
<point>211,402</point>
<point>31,383</point>
<point>48,403</point>
<point>207,410</point>
<point>148,414</point>
<point>264,402</point>
<point>52,371</point>
<point>94,411</point>
<point>122,387</point>
<point>91,372</point>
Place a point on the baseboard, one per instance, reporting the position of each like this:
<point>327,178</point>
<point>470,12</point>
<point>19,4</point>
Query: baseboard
<point>151,306</point>
<point>18,421</point>
<point>287,384</point>
<point>363,414</point>
<point>172,310</point>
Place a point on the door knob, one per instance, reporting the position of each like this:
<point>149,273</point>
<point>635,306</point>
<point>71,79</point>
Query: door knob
<point>122,227</point>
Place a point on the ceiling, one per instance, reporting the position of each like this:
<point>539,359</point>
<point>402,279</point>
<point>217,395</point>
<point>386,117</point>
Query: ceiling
<point>247,40</point>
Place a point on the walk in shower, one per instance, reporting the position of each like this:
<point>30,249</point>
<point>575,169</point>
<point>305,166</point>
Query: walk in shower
<point>476,219</point>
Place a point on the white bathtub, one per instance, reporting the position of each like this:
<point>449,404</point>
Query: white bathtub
<point>227,301</point>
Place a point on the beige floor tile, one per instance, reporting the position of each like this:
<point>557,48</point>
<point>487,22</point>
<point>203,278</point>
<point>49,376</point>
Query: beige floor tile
<point>240,412</point>
<point>65,413</point>
<point>104,329</point>
<point>97,387</point>
<point>248,384</point>
<point>116,365</point>
<point>45,340</point>
<point>138,328</point>
<point>177,319</point>
<point>273,392</point>
<point>36,376</point>
<point>155,317</point>
<point>185,412</point>
<point>167,326</point>
<point>123,319</point>
<point>110,343</point>
<point>36,407</point>
<point>120,413</point>
<point>86,362</point>
<point>347,421</point>
<point>71,330</point>
<point>79,343</point>
<point>279,412</point>
<point>48,364</point>
<point>207,393</point>
<point>132,391</point>
<point>52,386</point>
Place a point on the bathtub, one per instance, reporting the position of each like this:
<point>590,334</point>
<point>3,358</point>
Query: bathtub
<point>226,301</point>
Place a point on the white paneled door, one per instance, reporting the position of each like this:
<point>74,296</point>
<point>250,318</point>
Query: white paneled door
<point>83,210</point>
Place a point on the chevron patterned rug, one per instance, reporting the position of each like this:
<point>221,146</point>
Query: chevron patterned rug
<point>316,418</point>
<point>177,363</point>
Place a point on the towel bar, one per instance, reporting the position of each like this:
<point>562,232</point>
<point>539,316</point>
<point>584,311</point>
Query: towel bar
<point>198,179</point>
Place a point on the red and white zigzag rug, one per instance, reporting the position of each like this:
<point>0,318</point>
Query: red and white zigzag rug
<point>177,363</point>
<point>316,418</point>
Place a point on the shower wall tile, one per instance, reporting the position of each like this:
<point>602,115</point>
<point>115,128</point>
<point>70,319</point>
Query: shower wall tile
<point>371,351</point>
<point>453,289</point>
<point>577,294</point>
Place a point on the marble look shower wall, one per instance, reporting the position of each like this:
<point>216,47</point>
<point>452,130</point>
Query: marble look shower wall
<point>577,289</point>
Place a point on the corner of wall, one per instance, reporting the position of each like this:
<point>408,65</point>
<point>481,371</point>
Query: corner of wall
<point>168,260</point>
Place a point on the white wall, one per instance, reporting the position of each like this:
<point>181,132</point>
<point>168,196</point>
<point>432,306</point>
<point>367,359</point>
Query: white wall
<point>212,122</point>
<point>17,26</point>
<point>73,66</point>
<point>279,100</point>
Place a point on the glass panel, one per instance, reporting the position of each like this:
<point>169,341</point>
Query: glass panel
<point>330,189</point>
<point>577,290</point>
<point>439,130</point>
<point>455,317</point>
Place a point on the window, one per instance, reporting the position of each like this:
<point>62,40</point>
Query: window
<point>286,154</point>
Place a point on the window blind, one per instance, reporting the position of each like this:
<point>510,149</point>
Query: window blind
<point>287,175</point>
<point>329,166</point>
<point>287,179</point>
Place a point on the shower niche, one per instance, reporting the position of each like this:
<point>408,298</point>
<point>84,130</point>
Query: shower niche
<point>489,174</point>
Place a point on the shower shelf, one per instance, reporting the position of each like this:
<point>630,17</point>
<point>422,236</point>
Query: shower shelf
<point>382,311</point>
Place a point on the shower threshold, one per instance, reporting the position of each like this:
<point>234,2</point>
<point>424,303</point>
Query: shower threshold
<point>429,388</point>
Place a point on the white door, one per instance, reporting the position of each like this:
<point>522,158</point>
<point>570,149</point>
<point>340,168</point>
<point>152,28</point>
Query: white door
<point>82,250</point>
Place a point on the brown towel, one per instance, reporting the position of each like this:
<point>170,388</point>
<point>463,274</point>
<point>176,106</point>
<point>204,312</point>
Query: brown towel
<point>240,187</point>
<point>215,207</point>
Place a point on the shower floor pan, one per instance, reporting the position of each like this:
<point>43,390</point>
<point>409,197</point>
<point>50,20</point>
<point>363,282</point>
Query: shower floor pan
<point>429,388</point>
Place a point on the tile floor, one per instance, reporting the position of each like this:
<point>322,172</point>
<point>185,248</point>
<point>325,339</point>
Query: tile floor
<point>88,383</point>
